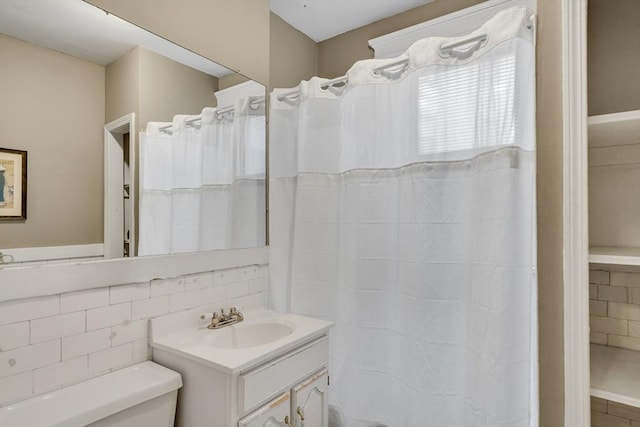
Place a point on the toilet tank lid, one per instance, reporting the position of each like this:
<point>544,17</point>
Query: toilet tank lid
<point>92,400</point>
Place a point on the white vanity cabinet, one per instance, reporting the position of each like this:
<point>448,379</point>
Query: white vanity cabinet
<point>303,374</point>
<point>309,404</point>
<point>268,370</point>
<point>266,395</point>
<point>276,413</point>
<point>304,406</point>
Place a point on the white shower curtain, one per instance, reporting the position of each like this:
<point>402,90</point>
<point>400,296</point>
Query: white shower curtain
<point>402,207</point>
<point>202,183</point>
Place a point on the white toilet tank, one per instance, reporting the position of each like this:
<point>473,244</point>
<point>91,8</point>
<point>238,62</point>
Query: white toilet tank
<point>138,396</point>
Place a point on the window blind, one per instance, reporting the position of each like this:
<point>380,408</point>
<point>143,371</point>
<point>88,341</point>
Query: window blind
<point>455,102</point>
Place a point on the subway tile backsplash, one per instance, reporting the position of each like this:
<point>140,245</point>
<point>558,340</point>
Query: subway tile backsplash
<point>50,342</point>
<point>605,413</point>
<point>614,308</point>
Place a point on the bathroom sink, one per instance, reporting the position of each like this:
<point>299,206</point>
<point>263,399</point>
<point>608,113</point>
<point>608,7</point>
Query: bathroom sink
<point>250,335</point>
<point>262,335</point>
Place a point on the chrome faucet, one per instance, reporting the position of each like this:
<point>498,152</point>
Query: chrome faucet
<point>220,320</point>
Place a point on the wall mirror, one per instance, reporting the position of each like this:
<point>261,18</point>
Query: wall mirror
<point>135,145</point>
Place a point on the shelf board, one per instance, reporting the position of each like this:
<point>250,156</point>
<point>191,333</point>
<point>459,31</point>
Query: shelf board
<point>614,117</point>
<point>615,374</point>
<point>614,255</point>
<point>614,129</point>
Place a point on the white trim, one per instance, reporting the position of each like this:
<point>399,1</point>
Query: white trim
<point>615,256</point>
<point>113,181</point>
<point>575,209</point>
<point>50,253</point>
<point>622,116</point>
<point>451,25</point>
<point>228,97</point>
<point>51,279</point>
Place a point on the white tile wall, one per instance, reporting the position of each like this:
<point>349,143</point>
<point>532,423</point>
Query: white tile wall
<point>29,357</point>
<point>605,413</point>
<point>89,342</point>
<point>634,329</point>
<point>32,308</point>
<point>51,342</point>
<point>83,300</point>
<point>614,308</point>
<point>54,376</point>
<point>129,332</point>
<point>118,294</point>
<point>621,278</point>
<point>110,315</point>
<point>16,387</point>
<point>198,281</point>
<point>14,335</point>
<point>50,328</point>
<point>152,307</point>
<point>184,300</point>
<point>166,286</point>
<point>114,357</point>
<point>141,350</point>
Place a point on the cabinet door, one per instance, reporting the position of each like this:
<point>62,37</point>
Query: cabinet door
<point>309,404</point>
<point>273,414</point>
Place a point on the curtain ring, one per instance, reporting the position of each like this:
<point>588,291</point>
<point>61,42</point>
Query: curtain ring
<point>468,46</point>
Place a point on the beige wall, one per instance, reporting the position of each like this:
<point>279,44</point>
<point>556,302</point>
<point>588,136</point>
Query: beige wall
<point>294,56</point>
<point>155,88</point>
<point>231,80</point>
<point>168,88</point>
<point>123,86</point>
<point>53,107</point>
<point>234,33</point>
<point>335,57</point>
<point>613,56</point>
<point>550,221</point>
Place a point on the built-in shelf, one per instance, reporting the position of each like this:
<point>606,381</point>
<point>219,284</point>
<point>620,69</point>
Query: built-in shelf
<point>614,225</point>
<point>611,129</point>
<point>614,256</point>
<point>615,374</point>
<point>614,192</point>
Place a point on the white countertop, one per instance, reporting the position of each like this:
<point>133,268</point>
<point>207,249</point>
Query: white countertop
<point>192,340</point>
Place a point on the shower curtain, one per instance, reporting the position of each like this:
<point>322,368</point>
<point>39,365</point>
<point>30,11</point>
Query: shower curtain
<point>202,181</point>
<point>402,208</point>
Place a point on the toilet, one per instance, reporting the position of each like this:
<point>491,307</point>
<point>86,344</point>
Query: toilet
<point>138,396</point>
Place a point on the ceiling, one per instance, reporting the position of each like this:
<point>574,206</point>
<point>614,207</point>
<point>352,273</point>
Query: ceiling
<point>84,31</point>
<point>323,19</point>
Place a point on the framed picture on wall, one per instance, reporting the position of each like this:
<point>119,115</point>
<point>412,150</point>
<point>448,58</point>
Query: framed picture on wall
<point>13,184</point>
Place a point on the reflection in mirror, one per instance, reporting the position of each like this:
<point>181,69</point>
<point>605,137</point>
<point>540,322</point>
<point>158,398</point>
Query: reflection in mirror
<point>130,153</point>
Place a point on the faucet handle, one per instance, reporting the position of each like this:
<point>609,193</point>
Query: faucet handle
<point>233,310</point>
<point>209,315</point>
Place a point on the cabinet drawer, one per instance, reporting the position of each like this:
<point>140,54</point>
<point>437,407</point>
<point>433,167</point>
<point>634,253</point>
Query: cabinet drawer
<point>280,374</point>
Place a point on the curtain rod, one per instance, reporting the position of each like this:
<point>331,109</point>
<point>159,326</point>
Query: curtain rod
<point>294,93</point>
<point>189,122</point>
<point>446,47</point>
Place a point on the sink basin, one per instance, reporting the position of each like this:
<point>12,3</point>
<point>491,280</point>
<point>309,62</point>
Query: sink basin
<point>262,335</point>
<point>249,335</point>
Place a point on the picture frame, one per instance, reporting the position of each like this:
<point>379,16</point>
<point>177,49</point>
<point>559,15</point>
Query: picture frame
<point>13,184</point>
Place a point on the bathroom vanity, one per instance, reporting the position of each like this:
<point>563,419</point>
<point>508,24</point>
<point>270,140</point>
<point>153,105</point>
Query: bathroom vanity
<point>268,370</point>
